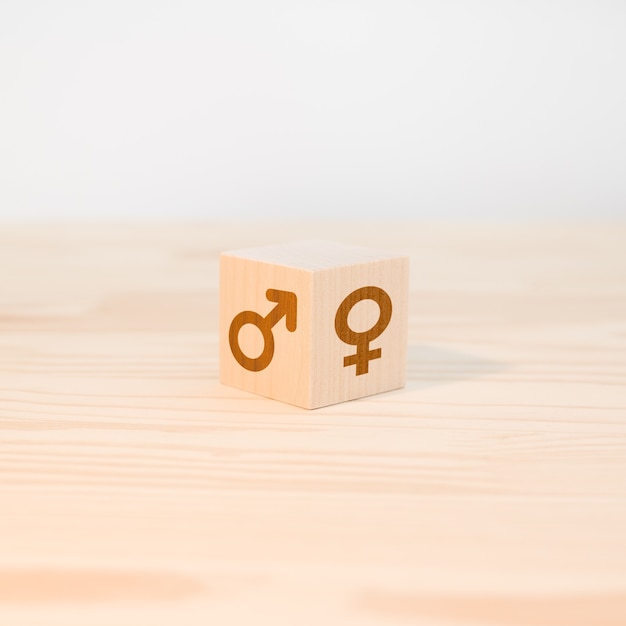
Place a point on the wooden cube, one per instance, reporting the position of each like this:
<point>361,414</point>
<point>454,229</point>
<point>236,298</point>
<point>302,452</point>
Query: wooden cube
<point>313,323</point>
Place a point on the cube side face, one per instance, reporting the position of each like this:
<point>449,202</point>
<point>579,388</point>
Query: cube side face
<point>360,330</point>
<point>250,321</point>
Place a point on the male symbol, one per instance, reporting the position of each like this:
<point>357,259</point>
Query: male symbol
<point>363,354</point>
<point>286,305</point>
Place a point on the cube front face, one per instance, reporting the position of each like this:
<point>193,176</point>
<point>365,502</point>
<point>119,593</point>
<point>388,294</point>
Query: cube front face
<point>360,320</point>
<point>313,336</point>
<point>253,326</point>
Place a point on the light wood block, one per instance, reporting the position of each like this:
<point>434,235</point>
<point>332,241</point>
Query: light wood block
<point>313,323</point>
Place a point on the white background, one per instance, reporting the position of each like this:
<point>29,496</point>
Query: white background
<point>468,109</point>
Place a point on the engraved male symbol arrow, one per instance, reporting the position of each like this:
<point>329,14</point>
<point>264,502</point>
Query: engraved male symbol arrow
<point>286,306</point>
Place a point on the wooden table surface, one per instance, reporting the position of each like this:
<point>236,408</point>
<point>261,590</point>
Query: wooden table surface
<point>136,490</point>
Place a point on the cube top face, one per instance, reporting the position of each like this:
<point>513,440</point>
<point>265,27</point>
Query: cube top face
<point>313,255</point>
<point>313,323</point>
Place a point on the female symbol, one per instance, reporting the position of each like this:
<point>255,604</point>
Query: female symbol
<point>363,354</point>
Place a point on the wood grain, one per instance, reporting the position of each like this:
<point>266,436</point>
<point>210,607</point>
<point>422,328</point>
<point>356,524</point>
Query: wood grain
<point>135,489</point>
